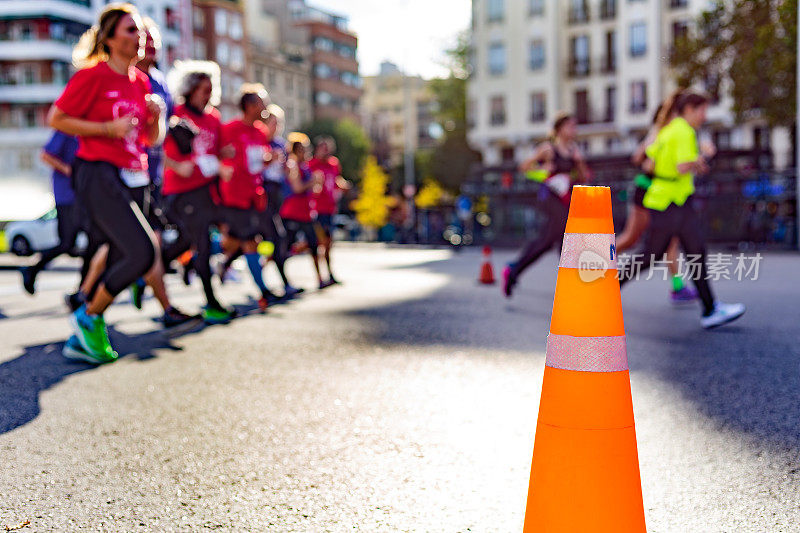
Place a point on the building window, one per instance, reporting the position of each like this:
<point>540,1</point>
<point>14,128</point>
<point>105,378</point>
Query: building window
<point>200,50</point>
<point>608,9</point>
<point>322,70</point>
<point>538,107</point>
<point>60,72</point>
<point>235,30</point>
<point>678,3</point>
<point>495,10</point>
<point>582,111</point>
<point>171,18</point>
<point>680,30</point>
<point>497,108</point>
<point>29,118</point>
<point>221,21</point>
<point>347,51</point>
<point>611,103</point>
<point>536,54</point>
<point>223,53</point>
<point>579,55</point>
<point>237,58</point>
<point>578,11</point>
<point>198,19</point>
<point>323,98</point>
<point>610,58</point>
<point>497,59</point>
<point>535,8</point>
<point>638,39</point>
<point>58,31</point>
<point>722,139</point>
<point>324,44</point>
<point>351,79</point>
<point>638,96</point>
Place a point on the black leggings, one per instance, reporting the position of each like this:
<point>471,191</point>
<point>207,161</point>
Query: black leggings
<point>69,225</point>
<point>551,234</point>
<point>676,221</point>
<point>193,212</point>
<point>116,220</point>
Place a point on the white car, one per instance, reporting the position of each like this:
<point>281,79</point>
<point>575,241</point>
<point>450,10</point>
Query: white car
<point>30,236</point>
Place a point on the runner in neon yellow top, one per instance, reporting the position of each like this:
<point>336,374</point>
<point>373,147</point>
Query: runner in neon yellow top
<point>674,148</point>
<point>676,159</point>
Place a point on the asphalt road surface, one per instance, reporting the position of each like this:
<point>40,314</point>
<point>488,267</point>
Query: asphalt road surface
<point>404,399</point>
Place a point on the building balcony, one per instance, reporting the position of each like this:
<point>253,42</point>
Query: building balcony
<point>23,136</point>
<point>35,49</point>
<point>578,68</point>
<point>35,93</point>
<point>589,116</point>
<point>578,16</point>
<point>608,64</point>
<point>677,4</point>
<point>77,10</point>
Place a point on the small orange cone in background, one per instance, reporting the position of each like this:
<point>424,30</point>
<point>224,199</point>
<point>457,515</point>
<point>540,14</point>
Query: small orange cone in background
<point>585,469</point>
<point>487,273</point>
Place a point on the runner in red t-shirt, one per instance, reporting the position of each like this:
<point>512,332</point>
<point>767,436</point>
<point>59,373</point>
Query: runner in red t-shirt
<point>192,151</point>
<point>326,195</point>
<point>108,105</point>
<point>296,208</point>
<point>241,190</point>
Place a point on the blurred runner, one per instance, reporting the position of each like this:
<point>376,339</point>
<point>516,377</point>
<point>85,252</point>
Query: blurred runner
<point>560,163</point>
<point>296,208</point>
<point>638,217</point>
<point>274,177</point>
<point>241,191</point>
<point>676,160</point>
<point>192,151</point>
<point>325,196</point>
<point>59,154</point>
<point>109,106</point>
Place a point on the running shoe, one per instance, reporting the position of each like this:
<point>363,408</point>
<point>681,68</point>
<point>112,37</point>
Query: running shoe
<point>92,333</point>
<point>722,314</point>
<point>74,300</point>
<point>137,292</point>
<point>291,292</point>
<point>684,296</point>
<point>175,317</point>
<point>215,315</point>
<point>333,280</point>
<point>28,279</point>
<point>508,281</point>
<point>325,284</point>
<point>73,350</point>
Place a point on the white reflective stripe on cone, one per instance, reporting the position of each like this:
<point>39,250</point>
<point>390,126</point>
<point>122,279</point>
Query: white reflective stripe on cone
<point>589,251</point>
<point>587,354</point>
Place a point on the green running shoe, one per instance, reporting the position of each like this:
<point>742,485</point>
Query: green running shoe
<point>73,350</point>
<point>214,315</point>
<point>92,334</point>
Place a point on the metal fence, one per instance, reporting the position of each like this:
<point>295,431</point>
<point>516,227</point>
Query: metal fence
<point>741,204</point>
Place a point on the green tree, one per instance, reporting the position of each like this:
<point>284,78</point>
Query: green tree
<point>352,144</point>
<point>451,159</point>
<point>752,46</point>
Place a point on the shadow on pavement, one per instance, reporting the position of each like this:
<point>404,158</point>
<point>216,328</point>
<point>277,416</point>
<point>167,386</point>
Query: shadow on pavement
<point>42,366</point>
<point>746,376</point>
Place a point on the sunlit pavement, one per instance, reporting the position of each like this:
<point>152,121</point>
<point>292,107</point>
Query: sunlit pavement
<point>403,400</point>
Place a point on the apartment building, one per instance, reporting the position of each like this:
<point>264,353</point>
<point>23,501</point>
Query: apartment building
<point>393,103</point>
<point>219,35</point>
<point>336,83</point>
<point>279,62</point>
<point>606,61</point>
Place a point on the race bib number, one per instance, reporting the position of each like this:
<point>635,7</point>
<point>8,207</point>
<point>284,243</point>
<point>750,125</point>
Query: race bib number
<point>255,159</point>
<point>559,184</point>
<point>208,165</point>
<point>134,178</point>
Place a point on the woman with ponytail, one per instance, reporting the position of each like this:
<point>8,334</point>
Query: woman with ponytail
<point>108,104</point>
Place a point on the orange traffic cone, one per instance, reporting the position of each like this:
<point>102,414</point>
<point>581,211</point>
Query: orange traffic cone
<point>585,469</point>
<point>487,273</point>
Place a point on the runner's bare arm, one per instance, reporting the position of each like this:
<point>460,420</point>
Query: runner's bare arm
<point>154,127</point>
<point>56,163</point>
<point>542,154</point>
